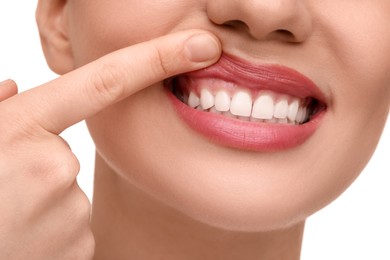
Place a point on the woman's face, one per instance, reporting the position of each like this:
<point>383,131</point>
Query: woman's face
<point>228,172</point>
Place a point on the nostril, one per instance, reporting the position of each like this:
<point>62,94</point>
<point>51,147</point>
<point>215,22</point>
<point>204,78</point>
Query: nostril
<point>285,34</point>
<point>236,24</point>
<point>282,34</point>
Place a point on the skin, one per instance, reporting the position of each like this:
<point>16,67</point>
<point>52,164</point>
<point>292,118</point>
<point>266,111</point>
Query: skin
<point>151,191</point>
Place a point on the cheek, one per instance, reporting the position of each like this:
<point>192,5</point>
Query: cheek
<point>359,44</point>
<point>97,29</point>
<point>359,47</point>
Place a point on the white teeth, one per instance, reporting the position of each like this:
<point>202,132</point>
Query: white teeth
<point>305,115</point>
<point>281,109</point>
<point>206,99</point>
<point>193,100</point>
<point>263,108</point>
<point>293,110</point>
<point>222,101</point>
<point>241,104</point>
<point>301,115</point>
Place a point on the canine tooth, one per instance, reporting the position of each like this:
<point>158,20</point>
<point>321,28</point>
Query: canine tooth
<point>263,108</point>
<point>293,110</point>
<point>301,115</point>
<point>281,109</point>
<point>241,104</point>
<point>305,114</point>
<point>206,99</point>
<point>222,101</point>
<point>193,100</point>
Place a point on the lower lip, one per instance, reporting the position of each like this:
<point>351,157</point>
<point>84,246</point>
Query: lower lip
<point>252,136</point>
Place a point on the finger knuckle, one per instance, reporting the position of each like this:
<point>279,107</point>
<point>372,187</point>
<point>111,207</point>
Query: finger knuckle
<point>67,169</point>
<point>105,83</point>
<point>161,64</point>
<point>59,170</point>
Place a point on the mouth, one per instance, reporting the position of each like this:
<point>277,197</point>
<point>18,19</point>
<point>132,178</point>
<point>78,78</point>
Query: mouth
<point>246,106</point>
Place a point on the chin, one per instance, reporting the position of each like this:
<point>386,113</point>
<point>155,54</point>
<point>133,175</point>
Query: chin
<point>221,196</point>
<point>243,215</point>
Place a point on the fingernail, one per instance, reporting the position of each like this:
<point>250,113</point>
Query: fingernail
<point>202,47</point>
<point>5,82</point>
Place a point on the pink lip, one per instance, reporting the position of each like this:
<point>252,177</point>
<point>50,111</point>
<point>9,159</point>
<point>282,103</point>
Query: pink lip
<point>252,135</point>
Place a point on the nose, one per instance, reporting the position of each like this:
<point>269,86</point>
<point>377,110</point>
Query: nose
<point>287,20</point>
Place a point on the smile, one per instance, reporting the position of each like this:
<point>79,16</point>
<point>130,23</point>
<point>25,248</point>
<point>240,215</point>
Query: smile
<point>250,107</point>
<point>227,99</point>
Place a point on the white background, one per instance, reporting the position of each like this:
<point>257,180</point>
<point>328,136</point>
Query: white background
<point>355,227</point>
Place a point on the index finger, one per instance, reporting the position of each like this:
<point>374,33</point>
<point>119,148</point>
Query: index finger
<point>82,93</point>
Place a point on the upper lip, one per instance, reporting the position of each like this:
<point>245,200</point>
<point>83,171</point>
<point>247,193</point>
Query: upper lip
<point>271,77</point>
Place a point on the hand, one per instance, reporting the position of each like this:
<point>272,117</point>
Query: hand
<point>44,213</point>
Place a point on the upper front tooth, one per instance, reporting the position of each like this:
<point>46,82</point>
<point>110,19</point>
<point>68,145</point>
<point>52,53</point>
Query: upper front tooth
<point>263,108</point>
<point>281,109</point>
<point>241,104</point>
<point>193,100</point>
<point>222,101</point>
<point>293,110</point>
<point>206,99</point>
